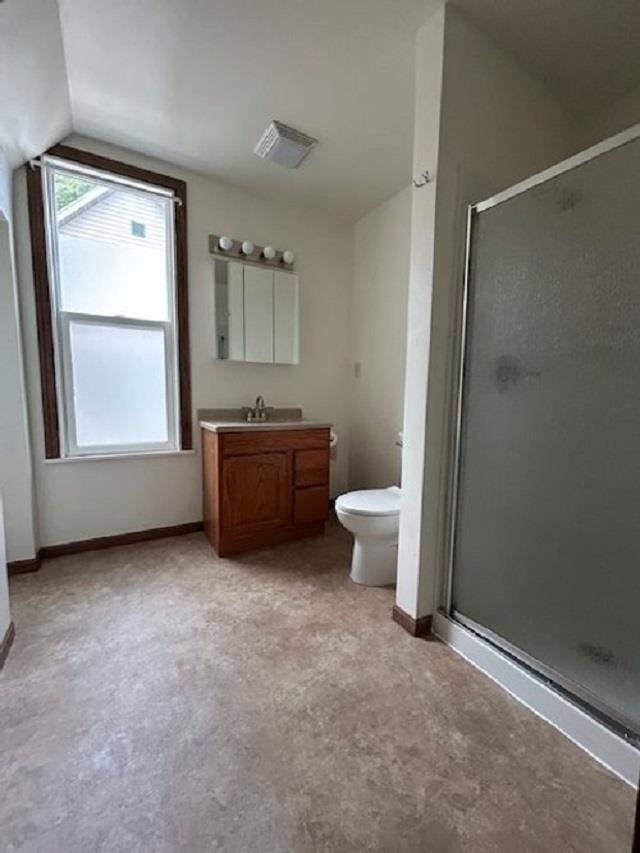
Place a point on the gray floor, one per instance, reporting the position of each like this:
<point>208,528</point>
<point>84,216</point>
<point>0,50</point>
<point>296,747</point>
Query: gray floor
<point>158,698</point>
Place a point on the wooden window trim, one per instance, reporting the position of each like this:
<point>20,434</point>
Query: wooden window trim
<point>43,293</point>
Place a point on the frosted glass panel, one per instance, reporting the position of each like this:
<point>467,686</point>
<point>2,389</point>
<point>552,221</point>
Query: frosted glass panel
<point>112,249</point>
<point>547,552</point>
<point>119,384</point>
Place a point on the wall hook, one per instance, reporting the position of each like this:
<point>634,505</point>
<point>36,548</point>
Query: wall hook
<point>423,179</point>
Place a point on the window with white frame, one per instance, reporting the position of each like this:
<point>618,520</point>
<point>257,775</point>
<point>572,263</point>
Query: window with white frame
<point>113,304</point>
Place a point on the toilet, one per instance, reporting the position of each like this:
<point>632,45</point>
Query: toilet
<point>373,517</point>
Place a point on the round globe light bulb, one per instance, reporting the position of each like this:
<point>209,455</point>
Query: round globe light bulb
<point>269,253</point>
<point>247,247</point>
<point>288,257</point>
<point>225,243</point>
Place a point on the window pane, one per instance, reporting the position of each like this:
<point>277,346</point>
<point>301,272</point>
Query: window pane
<point>112,249</point>
<point>119,387</point>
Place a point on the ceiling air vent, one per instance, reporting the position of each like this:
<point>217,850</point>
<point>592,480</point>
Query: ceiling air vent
<point>284,145</point>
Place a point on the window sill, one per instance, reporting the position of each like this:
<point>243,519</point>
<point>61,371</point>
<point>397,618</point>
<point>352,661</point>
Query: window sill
<point>117,457</point>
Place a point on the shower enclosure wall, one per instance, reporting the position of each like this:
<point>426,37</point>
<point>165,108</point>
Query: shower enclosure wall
<point>545,539</point>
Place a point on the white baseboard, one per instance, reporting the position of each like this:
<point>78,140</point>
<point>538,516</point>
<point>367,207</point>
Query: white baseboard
<point>607,747</point>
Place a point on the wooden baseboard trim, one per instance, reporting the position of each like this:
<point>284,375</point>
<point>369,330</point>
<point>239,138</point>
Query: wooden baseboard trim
<point>6,643</point>
<point>47,552</point>
<point>416,627</point>
<point>100,542</point>
<point>21,567</point>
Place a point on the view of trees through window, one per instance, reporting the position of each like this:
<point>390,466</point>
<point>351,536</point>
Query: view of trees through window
<point>68,189</point>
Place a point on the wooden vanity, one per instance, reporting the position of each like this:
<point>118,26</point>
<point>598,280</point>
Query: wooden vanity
<point>264,483</point>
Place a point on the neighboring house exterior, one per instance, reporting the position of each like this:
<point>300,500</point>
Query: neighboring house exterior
<point>115,236</point>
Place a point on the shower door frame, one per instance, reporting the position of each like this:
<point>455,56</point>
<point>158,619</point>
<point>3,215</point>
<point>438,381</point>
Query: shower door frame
<point>583,697</point>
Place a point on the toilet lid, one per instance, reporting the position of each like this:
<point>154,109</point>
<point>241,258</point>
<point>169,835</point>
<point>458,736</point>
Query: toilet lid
<point>371,502</point>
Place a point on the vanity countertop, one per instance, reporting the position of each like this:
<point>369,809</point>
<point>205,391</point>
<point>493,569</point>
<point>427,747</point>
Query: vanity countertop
<point>261,426</point>
<point>235,420</point>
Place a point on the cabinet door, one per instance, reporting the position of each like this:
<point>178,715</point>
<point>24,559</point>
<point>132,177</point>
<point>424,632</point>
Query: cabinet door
<point>236,311</point>
<point>256,493</point>
<point>285,299</point>
<point>229,310</point>
<point>258,314</point>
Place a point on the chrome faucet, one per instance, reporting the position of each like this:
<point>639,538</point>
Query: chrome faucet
<point>259,411</point>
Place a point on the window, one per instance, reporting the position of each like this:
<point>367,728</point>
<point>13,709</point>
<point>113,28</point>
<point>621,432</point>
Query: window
<point>111,306</point>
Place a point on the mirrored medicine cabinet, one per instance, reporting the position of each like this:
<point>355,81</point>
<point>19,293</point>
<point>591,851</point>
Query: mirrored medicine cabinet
<point>256,313</point>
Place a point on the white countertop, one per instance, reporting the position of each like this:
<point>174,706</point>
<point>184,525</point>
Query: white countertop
<point>261,426</point>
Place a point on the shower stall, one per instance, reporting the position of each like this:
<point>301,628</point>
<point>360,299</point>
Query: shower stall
<point>545,530</point>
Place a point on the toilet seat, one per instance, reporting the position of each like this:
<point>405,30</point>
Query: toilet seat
<point>380,502</point>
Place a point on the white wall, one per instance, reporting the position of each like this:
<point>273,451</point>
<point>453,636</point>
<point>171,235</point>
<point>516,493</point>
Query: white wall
<point>33,79</point>
<point>5,614</point>
<point>34,114</point>
<point>16,479</point>
<point>83,499</point>
<point>615,117</point>
<point>378,333</point>
<point>498,124</point>
<point>12,413</point>
<point>428,93</point>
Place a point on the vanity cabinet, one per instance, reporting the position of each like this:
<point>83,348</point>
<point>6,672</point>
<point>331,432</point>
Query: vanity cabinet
<point>262,487</point>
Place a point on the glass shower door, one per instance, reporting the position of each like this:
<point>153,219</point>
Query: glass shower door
<point>546,557</point>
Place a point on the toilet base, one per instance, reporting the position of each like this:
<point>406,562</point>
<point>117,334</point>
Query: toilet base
<point>374,562</point>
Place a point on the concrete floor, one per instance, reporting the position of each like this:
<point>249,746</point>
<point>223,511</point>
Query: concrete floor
<point>158,698</point>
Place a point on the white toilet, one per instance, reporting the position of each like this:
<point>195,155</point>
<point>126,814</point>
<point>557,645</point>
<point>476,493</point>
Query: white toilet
<point>373,516</point>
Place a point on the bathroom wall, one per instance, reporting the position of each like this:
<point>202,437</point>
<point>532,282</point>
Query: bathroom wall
<point>428,95</point>
<point>615,117</point>
<point>15,461</point>
<point>497,125</point>
<point>13,433</point>
<point>378,333</point>
<point>5,613</point>
<point>35,113</point>
<point>33,78</point>
<point>84,499</point>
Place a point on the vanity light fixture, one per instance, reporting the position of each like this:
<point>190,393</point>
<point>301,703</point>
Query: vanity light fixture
<point>251,253</point>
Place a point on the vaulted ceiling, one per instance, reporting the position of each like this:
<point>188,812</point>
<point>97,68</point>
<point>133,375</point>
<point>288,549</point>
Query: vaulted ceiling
<point>586,51</point>
<point>195,82</point>
<point>34,95</point>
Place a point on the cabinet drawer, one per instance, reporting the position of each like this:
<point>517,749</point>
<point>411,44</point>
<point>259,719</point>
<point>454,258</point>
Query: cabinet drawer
<point>310,505</point>
<point>311,468</point>
<point>257,441</point>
